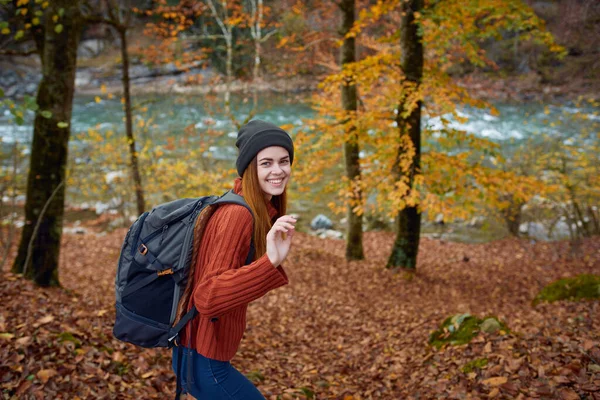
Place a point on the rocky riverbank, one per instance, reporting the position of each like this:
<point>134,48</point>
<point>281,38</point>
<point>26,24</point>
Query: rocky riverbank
<point>20,79</point>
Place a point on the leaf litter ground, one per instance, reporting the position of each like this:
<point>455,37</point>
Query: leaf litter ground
<point>339,330</point>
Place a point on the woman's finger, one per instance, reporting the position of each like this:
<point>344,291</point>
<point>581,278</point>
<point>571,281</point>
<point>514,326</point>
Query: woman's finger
<point>279,228</point>
<point>284,224</point>
<point>287,218</point>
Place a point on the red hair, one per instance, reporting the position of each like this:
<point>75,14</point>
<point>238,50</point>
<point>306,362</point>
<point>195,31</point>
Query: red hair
<point>255,197</point>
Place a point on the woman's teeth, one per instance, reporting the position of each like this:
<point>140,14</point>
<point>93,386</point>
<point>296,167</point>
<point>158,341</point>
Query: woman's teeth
<point>275,181</point>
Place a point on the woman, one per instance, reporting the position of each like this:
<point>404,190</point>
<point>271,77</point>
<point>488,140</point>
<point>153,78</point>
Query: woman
<point>222,286</point>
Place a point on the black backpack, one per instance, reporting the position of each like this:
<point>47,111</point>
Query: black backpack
<point>153,270</point>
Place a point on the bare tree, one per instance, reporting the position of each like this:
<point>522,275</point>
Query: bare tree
<point>119,17</point>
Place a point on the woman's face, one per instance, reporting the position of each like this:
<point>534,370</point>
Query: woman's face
<point>274,170</point>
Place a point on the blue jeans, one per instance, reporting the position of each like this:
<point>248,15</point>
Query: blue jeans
<point>212,379</point>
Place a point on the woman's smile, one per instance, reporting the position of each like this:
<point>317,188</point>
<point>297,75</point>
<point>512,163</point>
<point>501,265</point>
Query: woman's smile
<point>276,182</point>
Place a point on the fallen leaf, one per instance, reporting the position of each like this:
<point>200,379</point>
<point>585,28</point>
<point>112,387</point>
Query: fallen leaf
<point>45,320</point>
<point>117,356</point>
<point>488,347</point>
<point>594,367</point>
<point>25,340</point>
<point>495,381</point>
<point>588,344</point>
<point>568,394</point>
<point>45,374</point>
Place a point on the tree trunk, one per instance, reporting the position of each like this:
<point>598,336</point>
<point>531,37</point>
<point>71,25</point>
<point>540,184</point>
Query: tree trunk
<point>408,221</point>
<point>258,14</point>
<point>512,215</point>
<point>137,179</point>
<point>255,73</point>
<point>229,71</point>
<point>594,220</point>
<point>49,148</point>
<point>354,242</point>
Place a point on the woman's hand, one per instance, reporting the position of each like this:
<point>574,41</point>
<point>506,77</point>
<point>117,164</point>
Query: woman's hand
<point>277,246</point>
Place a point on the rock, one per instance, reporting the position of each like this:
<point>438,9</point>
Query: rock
<point>10,91</point>
<point>90,48</point>
<point>560,230</point>
<point>31,88</point>
<point>112,175</point>
<point>537,230</point>
<point>83,77</point>
<point>490,325</point>
<point>523,228</point>
<point>321,222</point>
<point>117,223</point>
<point>112,204</point>
<point>584,286</point>
<point>77,230</point>
<point>329,234</point>
<point>139,71</point>
<point>439,219</point>
<point>476,222</point>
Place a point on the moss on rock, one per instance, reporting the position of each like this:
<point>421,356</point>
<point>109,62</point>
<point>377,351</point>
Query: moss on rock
<point>461,329</point>
<point>580,287</point>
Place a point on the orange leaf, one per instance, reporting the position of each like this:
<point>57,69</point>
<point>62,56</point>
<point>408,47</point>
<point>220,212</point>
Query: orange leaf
<point>45,374</point>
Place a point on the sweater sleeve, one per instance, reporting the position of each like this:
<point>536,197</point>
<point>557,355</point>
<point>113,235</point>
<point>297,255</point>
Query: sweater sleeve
<point>226,283</point>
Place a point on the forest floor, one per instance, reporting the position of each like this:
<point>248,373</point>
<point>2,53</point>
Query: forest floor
<point>339,330</point>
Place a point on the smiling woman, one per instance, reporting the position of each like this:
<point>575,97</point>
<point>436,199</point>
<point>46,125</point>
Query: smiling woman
<point>227,276</point>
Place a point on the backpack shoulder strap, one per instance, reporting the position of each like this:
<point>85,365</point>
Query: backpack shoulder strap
<point>230,197</point>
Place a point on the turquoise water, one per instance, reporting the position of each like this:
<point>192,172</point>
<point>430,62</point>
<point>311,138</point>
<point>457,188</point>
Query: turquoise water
<point>173,113</point>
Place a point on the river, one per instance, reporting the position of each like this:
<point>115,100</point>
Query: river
<point>171,114</point>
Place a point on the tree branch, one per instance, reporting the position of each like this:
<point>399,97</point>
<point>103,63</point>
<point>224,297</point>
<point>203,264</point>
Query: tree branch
<point>226,32</point>
<point>102,20</point>
<point>18,53</point>
<point>37,227</point>
<point>268,35</point>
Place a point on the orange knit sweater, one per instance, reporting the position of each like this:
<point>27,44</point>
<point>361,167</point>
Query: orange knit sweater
<point>224,285</point>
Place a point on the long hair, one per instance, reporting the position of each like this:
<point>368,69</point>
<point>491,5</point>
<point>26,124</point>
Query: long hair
<point>255,198</point>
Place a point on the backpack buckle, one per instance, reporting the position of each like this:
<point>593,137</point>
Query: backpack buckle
<point>173,340</point>
<point>143,249</point>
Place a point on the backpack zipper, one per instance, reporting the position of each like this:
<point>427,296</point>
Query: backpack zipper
<point>162,236</point>
<point>134,245</point>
